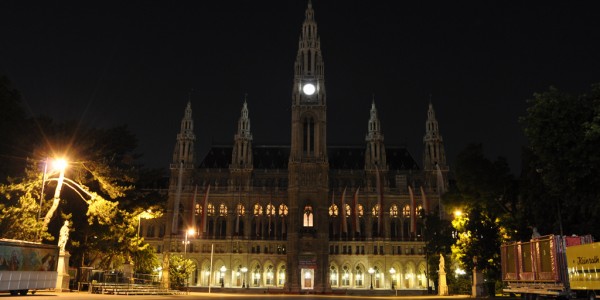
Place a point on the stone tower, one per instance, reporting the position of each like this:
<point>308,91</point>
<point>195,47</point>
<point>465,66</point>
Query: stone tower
<point>241,157</point>
<point>307,250</point>
<point>182,168</point>
<point>434,156</point>
<point>375,157</point>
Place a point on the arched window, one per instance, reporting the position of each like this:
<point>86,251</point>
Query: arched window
<point>308,216</point>
<point>333,276</point>
<point>346,276</point>
<point>283,210</point>
<point>375,210</point>
<point>359,278</point>
<point>256,276</point>
<point>308,136</point>
<point>258,210</point>
<point>223,210</point>
<point>333,210</point>
<point>406,211</point>
<point>270,275</point>
<point>377,277</point>
<point>394,211</point>
<point>270,210</point>
<point>241,210</point>
<point>281,276</point>
<point>211,210</point>
<point>360,210</point>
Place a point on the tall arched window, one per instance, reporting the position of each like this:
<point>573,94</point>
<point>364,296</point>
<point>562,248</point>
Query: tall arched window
<point>271,226</point>
<point>333,276</point>
<point>283,212</point>
<point>257,228</point>
<point>239,220</point>
<point>359,278</point>
<point>308,216</point>
<point>346,276</point>
<point>394,223</point>
<point>281,276</point>
<point>308,138</point>
<point>269,275</point>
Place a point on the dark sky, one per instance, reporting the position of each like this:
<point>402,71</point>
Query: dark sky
<point>135,62</point>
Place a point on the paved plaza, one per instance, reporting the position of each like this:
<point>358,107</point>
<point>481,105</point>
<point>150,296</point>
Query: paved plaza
<point>46,295</point>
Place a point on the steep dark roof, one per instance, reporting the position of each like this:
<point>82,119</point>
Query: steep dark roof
<point>340,157</point>
<point>353,157</point>
<point>264,157</point>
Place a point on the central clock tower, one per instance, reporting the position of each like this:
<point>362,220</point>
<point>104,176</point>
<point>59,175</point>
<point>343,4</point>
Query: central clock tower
<point>308,167</point>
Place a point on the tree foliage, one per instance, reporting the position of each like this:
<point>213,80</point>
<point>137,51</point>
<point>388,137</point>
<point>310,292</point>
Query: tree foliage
<point>564,135</point>
<point>12,123</point>
<point>487,194</point>
<point>180,269</point>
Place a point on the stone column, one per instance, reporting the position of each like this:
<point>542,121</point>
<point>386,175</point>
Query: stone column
<point>62,280</point>
<point>477,288</point>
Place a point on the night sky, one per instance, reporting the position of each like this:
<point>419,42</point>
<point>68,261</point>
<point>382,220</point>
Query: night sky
<point>138,62</point>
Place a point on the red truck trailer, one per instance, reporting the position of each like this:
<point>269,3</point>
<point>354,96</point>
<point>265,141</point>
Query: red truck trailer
<point>27,266</point>
<point>552,266</point>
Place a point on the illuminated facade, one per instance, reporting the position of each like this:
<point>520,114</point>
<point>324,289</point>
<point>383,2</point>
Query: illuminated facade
<point>304,217</point>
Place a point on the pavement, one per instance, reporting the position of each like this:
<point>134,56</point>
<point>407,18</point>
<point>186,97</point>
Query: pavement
<point>48,295</point>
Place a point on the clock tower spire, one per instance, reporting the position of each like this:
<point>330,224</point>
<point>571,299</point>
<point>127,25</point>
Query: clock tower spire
<point>308,167</point>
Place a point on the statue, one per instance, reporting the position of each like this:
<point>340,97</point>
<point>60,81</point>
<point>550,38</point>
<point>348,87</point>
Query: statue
<point>442,286</point>
<point>64,236</point>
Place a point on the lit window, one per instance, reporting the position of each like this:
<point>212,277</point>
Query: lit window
<point>283,210</point>
<point>345,276</point>
<point>360,210</point>
<point>241,210</point>
<point>348,210</point>
<point>333,210</point>
<point>211,209</point>
<point>333,276</point>
<point>375,210</point>
<point>222,210</point>
<point>406,211</point>
<point>394,211</point>
<point>270,210</point>
<point>258,210</point>
<point>308,216</point>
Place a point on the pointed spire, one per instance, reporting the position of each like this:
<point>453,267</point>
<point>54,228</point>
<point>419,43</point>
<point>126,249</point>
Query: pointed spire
<point>375,156</point>
<point>241,157</point>
<point>433,142</point>
<point>184,147</point>
<point>374,130</point>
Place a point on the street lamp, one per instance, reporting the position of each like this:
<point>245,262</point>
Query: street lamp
<point>186,242</point>
<point>244,270</point>
<point>59,165</point>
<point>223,269</point>
<point>393,272</point>
<point>187,280</point>
<point>371,271</point>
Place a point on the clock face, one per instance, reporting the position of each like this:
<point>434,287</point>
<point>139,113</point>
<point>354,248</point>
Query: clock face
<point>309,89</point>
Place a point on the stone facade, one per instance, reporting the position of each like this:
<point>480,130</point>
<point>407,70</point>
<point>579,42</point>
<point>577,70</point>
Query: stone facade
<point>272,215</point>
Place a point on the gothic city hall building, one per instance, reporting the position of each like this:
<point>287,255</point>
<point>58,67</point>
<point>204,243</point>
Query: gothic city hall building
<point>304,217</point>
